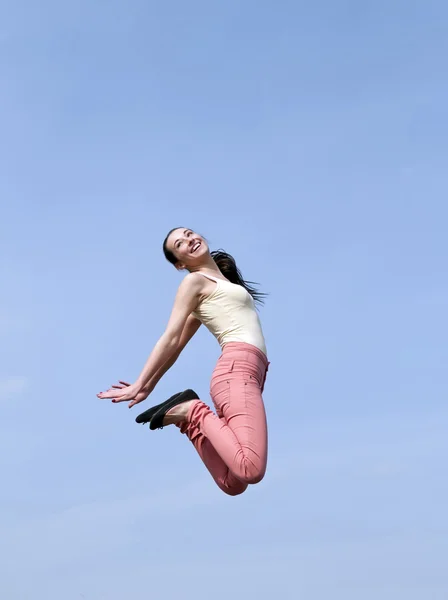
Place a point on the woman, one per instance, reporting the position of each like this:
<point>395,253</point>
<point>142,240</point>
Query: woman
<point>232,443</point>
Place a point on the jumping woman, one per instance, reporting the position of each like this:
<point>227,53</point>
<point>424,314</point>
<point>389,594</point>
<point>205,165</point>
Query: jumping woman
<point>233,442</point>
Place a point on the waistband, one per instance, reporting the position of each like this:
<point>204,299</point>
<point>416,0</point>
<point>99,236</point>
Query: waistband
<point>245,347</point>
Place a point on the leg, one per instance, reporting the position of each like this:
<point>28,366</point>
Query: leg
<point>232,444</point>
<point>217,468</point>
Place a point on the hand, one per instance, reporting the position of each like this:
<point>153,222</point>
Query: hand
<point>126,391</point>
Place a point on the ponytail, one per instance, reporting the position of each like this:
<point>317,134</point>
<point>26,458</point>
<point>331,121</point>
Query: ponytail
<point>227,265</point>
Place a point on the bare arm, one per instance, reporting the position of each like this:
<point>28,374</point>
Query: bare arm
<point>187,299</point>
<point>191,327</point>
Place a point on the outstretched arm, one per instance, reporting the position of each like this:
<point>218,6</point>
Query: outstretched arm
<point>187,299</point>
<point>191,326</point>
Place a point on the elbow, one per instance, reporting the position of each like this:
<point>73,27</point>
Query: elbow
<point>171,343</point>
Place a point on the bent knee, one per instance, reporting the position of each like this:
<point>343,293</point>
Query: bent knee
<point>234,487</point>
<point>235,490</point>
<point>253,479</point>
<point>252,474</point>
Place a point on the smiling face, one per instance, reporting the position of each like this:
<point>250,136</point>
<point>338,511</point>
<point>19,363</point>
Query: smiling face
<point>188,247</point>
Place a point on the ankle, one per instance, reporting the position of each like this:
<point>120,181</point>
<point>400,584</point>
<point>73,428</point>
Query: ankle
<point>178,414</point>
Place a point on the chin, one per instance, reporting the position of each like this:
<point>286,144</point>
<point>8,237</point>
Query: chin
<point>198,255</point>
<point>203,250</point>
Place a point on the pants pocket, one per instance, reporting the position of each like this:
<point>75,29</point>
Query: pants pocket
<point>251,390</point>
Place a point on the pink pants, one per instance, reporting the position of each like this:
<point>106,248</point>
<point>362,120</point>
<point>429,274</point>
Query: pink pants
<point>233,443</point>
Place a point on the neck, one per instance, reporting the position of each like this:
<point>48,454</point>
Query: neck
<point>208,265</point>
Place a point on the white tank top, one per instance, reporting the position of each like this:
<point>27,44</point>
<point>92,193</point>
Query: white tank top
<point>229,313</point>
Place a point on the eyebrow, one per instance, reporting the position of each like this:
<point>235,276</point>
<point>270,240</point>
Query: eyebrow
<point>185,231</point>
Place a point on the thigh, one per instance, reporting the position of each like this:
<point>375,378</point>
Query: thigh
<point>237,397</point>
<point>220,384</point>
<point>237,385</point>
<point>245,401</point>
<point>220,393</point>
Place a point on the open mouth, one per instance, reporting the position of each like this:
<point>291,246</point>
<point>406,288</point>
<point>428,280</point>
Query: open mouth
<point>195,247</point>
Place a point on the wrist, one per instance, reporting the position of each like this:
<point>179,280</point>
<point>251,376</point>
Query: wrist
<point>144,387</point>
<point>151,384</point>
<point>140,384</point>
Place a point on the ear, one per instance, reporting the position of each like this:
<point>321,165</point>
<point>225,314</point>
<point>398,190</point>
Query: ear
<point>180,266</point>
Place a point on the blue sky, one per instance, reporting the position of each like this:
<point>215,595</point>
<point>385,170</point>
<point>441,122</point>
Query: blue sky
<point>307,139</point>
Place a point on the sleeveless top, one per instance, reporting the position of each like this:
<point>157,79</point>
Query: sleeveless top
<point>229,313</point>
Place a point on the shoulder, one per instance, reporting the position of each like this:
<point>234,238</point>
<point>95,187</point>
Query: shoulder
<point>192,283</point>
<point>189,292</point>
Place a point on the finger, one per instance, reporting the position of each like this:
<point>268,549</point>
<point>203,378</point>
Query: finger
<point>124,383</point>
<point>110,394</point>
<point>111,389</point>
<point>118,387</point>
